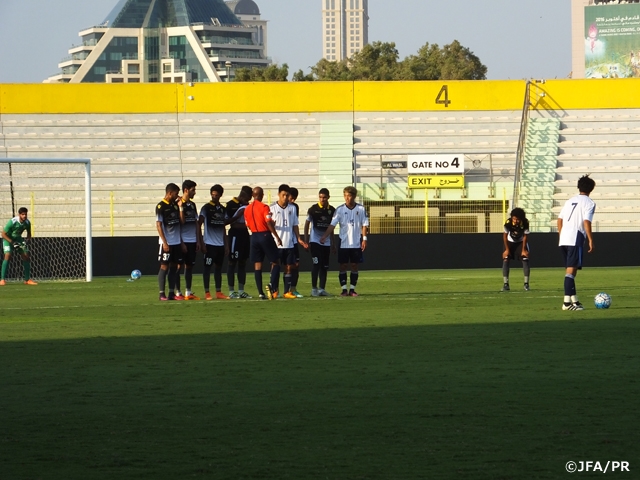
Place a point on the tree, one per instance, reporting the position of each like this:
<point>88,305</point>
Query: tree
<point>378,61</point>
<point>459,63</point>
<point>272,73</point>
<point>426,65</point>
<point>325,71</point>
<point>299,76</point>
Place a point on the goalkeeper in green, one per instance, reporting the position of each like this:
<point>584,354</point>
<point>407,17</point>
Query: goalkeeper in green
<point>12,240</point>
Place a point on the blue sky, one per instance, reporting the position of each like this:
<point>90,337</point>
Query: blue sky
<point>515,39</point>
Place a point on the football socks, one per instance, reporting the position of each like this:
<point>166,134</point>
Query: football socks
<point>217,275</point>
<point>188,277</point>
<point>275,277</point>
<point>231,275</point>
<point>315,271</point>
<point>323,278</point>
<point>162,277</point>
<point>206,277</point>
<point>569,285</point>
<point>354,280</point>
<point>258,275</point>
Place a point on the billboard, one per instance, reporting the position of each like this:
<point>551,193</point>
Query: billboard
<point>612,41</point>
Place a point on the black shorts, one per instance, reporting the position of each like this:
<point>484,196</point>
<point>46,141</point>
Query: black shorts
<point>320,255</point>
<point>287,256</point>
<point>296,252</point>
<point>174,255</point>
<point>214,256</point>
<point>189,257</point>
<point>263,244</point>
<point>350,255</point>
<point>239,244</point>
<point>573,256</point>
<point>515,247</point>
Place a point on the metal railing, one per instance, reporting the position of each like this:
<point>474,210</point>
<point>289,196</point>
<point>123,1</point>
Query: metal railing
<point>435,215</point>
<point>227,41</point>
<point>236,54</point>
<point>88,43</point>
<point>522,139</point>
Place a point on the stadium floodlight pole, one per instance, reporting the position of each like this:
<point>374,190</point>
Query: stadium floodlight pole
<point>87,199</point>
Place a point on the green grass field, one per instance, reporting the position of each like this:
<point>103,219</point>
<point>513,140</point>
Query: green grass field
<point>427,375</point>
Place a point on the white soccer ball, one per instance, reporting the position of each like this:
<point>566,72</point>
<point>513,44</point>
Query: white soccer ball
<point>602,300</point>
<point>136,274</point>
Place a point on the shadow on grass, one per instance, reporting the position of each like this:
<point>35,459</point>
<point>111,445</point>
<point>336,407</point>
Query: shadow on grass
<point>504,401</point>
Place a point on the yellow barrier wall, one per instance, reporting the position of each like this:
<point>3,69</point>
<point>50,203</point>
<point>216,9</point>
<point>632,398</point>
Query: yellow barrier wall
<point>87,98</point>
<point>300,97</point>
<point>176,98</point>
<point>430,96</point>
<point>586,94</point>
<point>277,97</point>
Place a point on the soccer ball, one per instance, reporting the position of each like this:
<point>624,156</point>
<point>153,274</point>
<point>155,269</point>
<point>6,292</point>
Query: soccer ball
<point>136,274</point>
<point>602,300</point>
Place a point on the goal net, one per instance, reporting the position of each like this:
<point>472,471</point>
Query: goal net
<point>57,193</point>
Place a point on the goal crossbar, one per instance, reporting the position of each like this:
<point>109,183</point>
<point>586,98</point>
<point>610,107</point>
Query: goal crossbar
<point>87,196</point>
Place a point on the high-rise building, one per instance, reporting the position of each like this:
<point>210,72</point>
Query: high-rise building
<point>345,28</point>
<point>165,41</point>
<point>249,14</point>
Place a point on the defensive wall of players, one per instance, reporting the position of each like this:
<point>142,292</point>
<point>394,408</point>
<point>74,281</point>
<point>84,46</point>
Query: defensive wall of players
<point>314,135</point>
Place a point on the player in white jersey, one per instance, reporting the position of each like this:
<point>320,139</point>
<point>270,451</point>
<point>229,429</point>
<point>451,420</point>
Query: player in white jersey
<point>285,218</point>
<point>574,227</point>
<point>354,222</point>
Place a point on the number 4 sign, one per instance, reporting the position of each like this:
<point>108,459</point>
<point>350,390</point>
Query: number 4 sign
<point>443,96</point>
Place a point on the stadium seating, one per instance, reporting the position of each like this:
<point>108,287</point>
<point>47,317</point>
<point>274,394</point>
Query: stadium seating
<point>134,155</point>
<point>539,172</point>
<point>603,143</point>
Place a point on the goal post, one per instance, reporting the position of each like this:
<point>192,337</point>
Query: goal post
<point>57,192</point>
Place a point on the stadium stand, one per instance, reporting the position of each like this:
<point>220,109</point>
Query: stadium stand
<point>335,135</point>
<point>602,143</point>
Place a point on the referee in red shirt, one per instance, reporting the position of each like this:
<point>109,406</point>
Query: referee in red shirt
<point>257,216</point>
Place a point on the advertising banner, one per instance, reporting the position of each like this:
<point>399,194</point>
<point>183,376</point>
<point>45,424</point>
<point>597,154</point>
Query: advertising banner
<point>612,41</point>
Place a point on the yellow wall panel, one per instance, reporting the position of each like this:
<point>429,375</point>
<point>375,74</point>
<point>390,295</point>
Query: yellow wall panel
<point>277,97</point>
<point>87,98</point>
<point>171,98</point>
<point>424,96</point>
<point>586,94</point>
<point>301,97</point>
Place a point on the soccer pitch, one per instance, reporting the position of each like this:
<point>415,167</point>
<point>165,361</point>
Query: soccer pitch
<point>426,375</point>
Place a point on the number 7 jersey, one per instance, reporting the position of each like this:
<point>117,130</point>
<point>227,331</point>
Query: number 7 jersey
<point>575,211</point>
